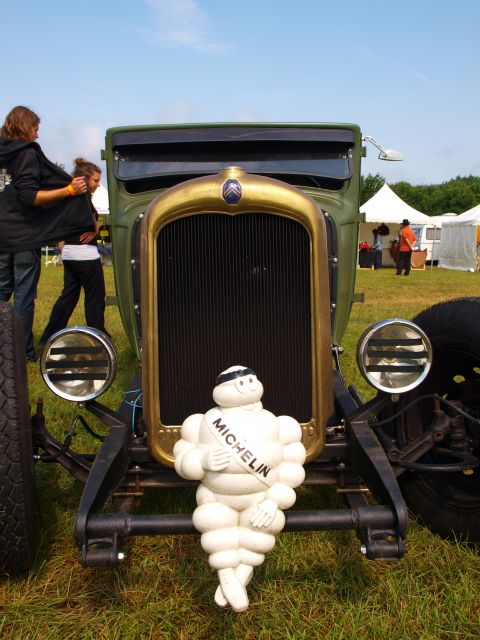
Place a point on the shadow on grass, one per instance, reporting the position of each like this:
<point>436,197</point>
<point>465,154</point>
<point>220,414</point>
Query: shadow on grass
<point>160,567</point>
<point>59,495</point>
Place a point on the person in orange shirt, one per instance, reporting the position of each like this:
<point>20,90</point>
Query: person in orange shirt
<point>407,240</point>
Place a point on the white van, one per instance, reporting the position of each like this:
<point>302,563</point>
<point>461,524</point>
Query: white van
<point>428,237</point>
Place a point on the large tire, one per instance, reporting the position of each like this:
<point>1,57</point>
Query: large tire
<point>448,503</point>
<point>19,512</point>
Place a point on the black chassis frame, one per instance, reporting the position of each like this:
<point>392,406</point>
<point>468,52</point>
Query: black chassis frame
<point>360,458</point>
<point>353,459</point>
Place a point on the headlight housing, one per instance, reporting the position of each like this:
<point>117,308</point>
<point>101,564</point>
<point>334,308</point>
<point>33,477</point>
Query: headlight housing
<point>394,355</point>
<point>78,363</point>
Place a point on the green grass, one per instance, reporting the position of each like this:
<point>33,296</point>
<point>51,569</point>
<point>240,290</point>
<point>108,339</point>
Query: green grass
<point>312,585</point>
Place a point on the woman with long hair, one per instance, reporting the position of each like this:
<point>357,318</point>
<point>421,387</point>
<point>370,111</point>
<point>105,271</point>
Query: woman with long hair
<point>39,204</point>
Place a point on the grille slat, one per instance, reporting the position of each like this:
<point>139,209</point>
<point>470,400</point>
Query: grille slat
<point>404,355</point>
<point>377,368</point>
<point>234,290</point>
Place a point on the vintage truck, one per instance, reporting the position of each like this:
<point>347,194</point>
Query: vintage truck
<point>237,243</point>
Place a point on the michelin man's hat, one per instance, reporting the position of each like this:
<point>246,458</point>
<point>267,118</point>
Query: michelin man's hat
<point>236,373</point>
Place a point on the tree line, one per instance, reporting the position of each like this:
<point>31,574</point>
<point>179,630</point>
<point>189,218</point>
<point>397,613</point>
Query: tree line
<point>455,196</point>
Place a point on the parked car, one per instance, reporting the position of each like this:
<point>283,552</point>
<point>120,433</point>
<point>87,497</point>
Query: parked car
<point>237,243</point>
<point>428,237</point>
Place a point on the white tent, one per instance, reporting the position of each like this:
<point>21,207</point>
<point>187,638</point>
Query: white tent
<point>100,200</point>
<point>386,207</point>
<point>459,246</point>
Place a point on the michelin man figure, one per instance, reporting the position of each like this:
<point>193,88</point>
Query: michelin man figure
<point>249,462</point>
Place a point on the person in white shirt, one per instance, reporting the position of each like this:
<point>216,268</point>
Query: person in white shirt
<point>82,268</point>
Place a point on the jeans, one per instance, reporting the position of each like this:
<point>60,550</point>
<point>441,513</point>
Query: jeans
<point>77,274</point>
<point>19,275</point>
<point>404,262</point>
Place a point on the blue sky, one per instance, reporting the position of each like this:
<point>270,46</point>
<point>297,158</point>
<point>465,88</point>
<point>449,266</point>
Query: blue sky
<point>406,72</point>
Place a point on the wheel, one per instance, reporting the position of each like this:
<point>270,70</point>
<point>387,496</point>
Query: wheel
<point>19,512</point>
<point>448,503</point>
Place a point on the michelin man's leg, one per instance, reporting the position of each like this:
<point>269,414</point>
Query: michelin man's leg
<point>233,591</point>
<point>218,525</point>
<point>244,574</point>
<point>219,598</point>
<point>255,542</point>
<point>253,545</point>
<point>220,539</point>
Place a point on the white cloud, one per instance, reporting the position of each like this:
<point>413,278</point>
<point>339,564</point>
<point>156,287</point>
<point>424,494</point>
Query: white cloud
<point>89,140</point>
<point>62,144</point>
<point>247,115</point>
<point>182,23</point>
<point>367,52</point>
<point>426,81</point>
<point>179,111</point>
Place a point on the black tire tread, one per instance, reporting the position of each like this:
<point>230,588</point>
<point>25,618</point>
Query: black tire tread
<point>454,312</point>
<point>19,514</point>
<point>453,326</point>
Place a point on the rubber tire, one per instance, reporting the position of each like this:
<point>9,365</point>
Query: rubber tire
<point>448,503</point>
<point>19,510</point>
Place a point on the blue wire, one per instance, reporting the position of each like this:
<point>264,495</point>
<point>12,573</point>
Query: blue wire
<point>135,408</point>
<point>131,391</point>
<point>129,402</point>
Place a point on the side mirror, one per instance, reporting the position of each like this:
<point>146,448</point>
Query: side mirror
<point>391,154</point>
<point>385,154</point>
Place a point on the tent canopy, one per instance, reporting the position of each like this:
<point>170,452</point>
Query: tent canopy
<point>470,217</point>
<point>386,206</point>
<point>100,199</point>
<point>459,246</point>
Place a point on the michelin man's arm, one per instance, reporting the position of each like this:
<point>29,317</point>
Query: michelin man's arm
<point>186,453</point>
<point>291,473</point>
<point>193,461</point>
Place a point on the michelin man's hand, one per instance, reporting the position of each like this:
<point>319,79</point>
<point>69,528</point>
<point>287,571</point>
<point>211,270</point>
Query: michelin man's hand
<point>264,514</point>
<point>216,459</point>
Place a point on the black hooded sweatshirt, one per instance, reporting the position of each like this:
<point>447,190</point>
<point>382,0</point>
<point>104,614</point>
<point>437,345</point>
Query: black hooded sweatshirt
<point>25,170</point>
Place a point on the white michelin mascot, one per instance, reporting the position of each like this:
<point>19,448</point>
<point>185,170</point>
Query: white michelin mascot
<point>248,462</point>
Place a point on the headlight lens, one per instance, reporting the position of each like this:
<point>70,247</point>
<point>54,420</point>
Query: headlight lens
<point>78,363</point>
<point>394,355</point>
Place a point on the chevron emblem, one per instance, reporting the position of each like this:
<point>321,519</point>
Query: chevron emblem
<point>232,191</point>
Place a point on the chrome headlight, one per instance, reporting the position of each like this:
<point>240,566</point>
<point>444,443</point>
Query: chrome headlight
<point>78,363</point>
<point>394,355</point>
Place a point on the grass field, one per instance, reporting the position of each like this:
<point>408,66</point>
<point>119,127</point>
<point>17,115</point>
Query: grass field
<point>312,585</point>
